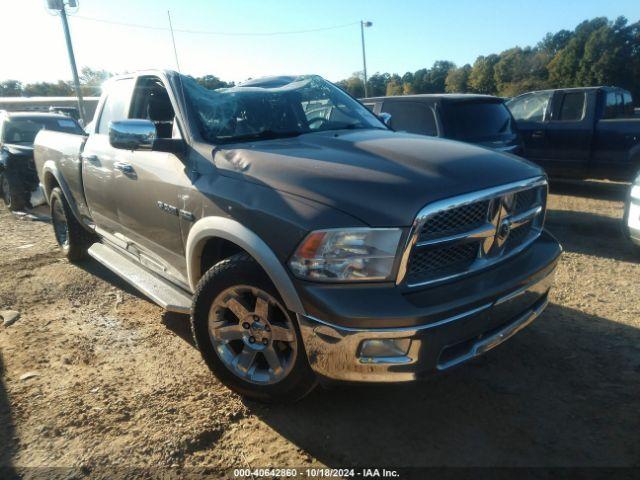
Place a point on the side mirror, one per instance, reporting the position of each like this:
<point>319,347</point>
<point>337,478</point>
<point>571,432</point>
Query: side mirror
<point>132,134</point>
<point>386,118</point>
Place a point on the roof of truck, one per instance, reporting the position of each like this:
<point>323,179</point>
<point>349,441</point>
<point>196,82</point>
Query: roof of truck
<point>29,114</point>
<point>436,96</point>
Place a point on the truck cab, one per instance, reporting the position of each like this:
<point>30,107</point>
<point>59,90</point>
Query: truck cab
<point>580,132</point>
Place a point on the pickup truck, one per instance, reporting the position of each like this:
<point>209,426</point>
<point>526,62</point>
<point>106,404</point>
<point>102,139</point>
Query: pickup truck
<point>580,132</point>
<point>305,239</point>
<point>479,119</point>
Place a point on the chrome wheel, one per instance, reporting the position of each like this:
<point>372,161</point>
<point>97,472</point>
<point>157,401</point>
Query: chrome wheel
<point>60,226</point>
<point>252,334</point>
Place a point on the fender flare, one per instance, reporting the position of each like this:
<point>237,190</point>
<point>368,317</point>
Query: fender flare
<point>51,168</point>
<point>220,227</point>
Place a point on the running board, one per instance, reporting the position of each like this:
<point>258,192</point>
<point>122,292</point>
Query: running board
<point>160,291</point>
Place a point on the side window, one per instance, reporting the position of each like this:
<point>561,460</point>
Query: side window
<point>572,108</point>
<point>531,107</point>
<point>412,117</point>
<point>370,106</point>
<point>611,105</point>
<point>628,104</point>
<point>151,102</point>
<point>116,105</point>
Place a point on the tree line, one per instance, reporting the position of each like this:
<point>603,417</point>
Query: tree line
<point>596,52</point>
<point>90,82</point>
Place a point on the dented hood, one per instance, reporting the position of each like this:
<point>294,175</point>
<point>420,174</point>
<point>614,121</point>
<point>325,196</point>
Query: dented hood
<point>381,177</point>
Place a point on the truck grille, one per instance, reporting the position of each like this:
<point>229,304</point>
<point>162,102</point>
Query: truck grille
<point>464,234</point>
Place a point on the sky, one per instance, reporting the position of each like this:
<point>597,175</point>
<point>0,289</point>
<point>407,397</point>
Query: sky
<point>406,34</point>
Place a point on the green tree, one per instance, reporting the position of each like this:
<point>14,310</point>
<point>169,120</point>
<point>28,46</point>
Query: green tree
<point>377,84</point>
<point>212,82</point>
<point>353,85</point>
<point>457,80</point>
<point>563,68</point>
<point>481,78</point>
<point>48,89</point>
<point>10,88</point>
<point>394,86</point>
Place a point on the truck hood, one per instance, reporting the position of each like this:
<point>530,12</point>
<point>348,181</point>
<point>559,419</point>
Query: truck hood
<point>383,178</point>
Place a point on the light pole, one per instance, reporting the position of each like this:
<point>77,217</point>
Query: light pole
<point>59,6</point>
<point>364,56</point>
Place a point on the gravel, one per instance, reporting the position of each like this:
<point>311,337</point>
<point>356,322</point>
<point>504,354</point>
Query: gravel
<point>121,384</point>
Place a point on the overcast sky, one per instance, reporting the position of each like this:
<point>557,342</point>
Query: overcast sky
<point>406,34</point>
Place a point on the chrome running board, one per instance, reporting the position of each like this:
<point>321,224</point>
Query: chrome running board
<point>163,293</point>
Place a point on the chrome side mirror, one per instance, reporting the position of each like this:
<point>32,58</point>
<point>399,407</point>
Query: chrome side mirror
<point>132,134</point>
<point>386,118</point>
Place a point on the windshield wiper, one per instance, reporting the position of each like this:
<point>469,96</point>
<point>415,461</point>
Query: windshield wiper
<point>263,135</point>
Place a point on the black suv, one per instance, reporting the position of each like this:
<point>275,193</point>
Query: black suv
<point>479,119</point>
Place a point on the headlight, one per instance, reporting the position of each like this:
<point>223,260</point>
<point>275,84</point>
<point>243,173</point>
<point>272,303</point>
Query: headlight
<point>354,254</point>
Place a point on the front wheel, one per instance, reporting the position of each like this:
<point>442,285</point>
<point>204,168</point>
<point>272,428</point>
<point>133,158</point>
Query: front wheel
<point>249,340</point>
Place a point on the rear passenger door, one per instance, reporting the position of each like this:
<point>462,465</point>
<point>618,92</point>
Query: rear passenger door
<point>98,157</point>
<point>412,117</point>
<point>569,134</point>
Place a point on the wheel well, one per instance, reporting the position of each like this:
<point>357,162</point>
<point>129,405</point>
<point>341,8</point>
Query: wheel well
<point>50,183</point>
<point>216,250</point>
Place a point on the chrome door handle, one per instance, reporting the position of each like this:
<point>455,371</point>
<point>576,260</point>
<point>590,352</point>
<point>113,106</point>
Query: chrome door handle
<point>90,158</point>
<point>123,167</point>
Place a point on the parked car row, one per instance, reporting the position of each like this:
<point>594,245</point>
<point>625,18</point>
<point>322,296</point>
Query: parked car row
<point>313,239</point>
<point>18,178</point>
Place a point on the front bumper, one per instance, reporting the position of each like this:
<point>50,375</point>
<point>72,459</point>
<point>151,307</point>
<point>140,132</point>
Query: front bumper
<point>633,218</point>
<point>473,326</point>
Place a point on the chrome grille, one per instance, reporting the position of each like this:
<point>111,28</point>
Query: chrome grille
<point>464,234</point>
<point>455,220</point>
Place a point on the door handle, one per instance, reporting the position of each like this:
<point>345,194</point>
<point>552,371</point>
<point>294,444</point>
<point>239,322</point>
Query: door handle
<point>537,134</point>
<point>125,168</point>
<point>90,158</point>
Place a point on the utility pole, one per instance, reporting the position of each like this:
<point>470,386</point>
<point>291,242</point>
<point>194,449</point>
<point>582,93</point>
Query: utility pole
<point>175,51</point>
<point>364,56</point>
<point>60,5</point>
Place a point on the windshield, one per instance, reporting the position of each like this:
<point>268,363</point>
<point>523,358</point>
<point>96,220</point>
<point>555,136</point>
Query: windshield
<point>24,130</point>
<point>476,120</point>
<point>278,109</point>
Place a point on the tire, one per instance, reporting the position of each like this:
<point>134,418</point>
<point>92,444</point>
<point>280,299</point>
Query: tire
<point>239,323</point>
<point>72,238</point>
<point>13,193</point>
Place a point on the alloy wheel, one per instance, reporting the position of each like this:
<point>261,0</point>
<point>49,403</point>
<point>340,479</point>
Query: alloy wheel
<point>252,334</point>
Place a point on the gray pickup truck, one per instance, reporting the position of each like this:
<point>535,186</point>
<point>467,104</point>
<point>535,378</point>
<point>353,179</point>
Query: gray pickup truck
<point>306,240</point>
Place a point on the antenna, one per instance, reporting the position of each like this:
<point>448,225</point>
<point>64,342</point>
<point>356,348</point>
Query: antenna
<point>175,51</point>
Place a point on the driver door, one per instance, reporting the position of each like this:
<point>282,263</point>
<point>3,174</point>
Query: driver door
<point>152,188</point>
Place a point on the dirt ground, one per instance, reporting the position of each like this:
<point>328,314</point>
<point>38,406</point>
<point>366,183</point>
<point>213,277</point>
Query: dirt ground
<point>118,383</point>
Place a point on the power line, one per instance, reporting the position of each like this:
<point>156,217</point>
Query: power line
<point>210,32</point>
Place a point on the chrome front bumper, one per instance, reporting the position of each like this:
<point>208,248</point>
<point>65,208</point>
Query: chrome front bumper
<point>335,352</point>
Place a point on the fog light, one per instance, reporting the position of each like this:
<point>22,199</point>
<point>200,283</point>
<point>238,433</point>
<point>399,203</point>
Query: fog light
<point>387,347</point>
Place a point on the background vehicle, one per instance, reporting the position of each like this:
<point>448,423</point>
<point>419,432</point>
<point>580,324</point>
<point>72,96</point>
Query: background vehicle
<point>479,119</point>
<point>580,132</point>
<point>44,104</point>
<point>18,177</point>
<point>631,218</point>
<point>304,237</point>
